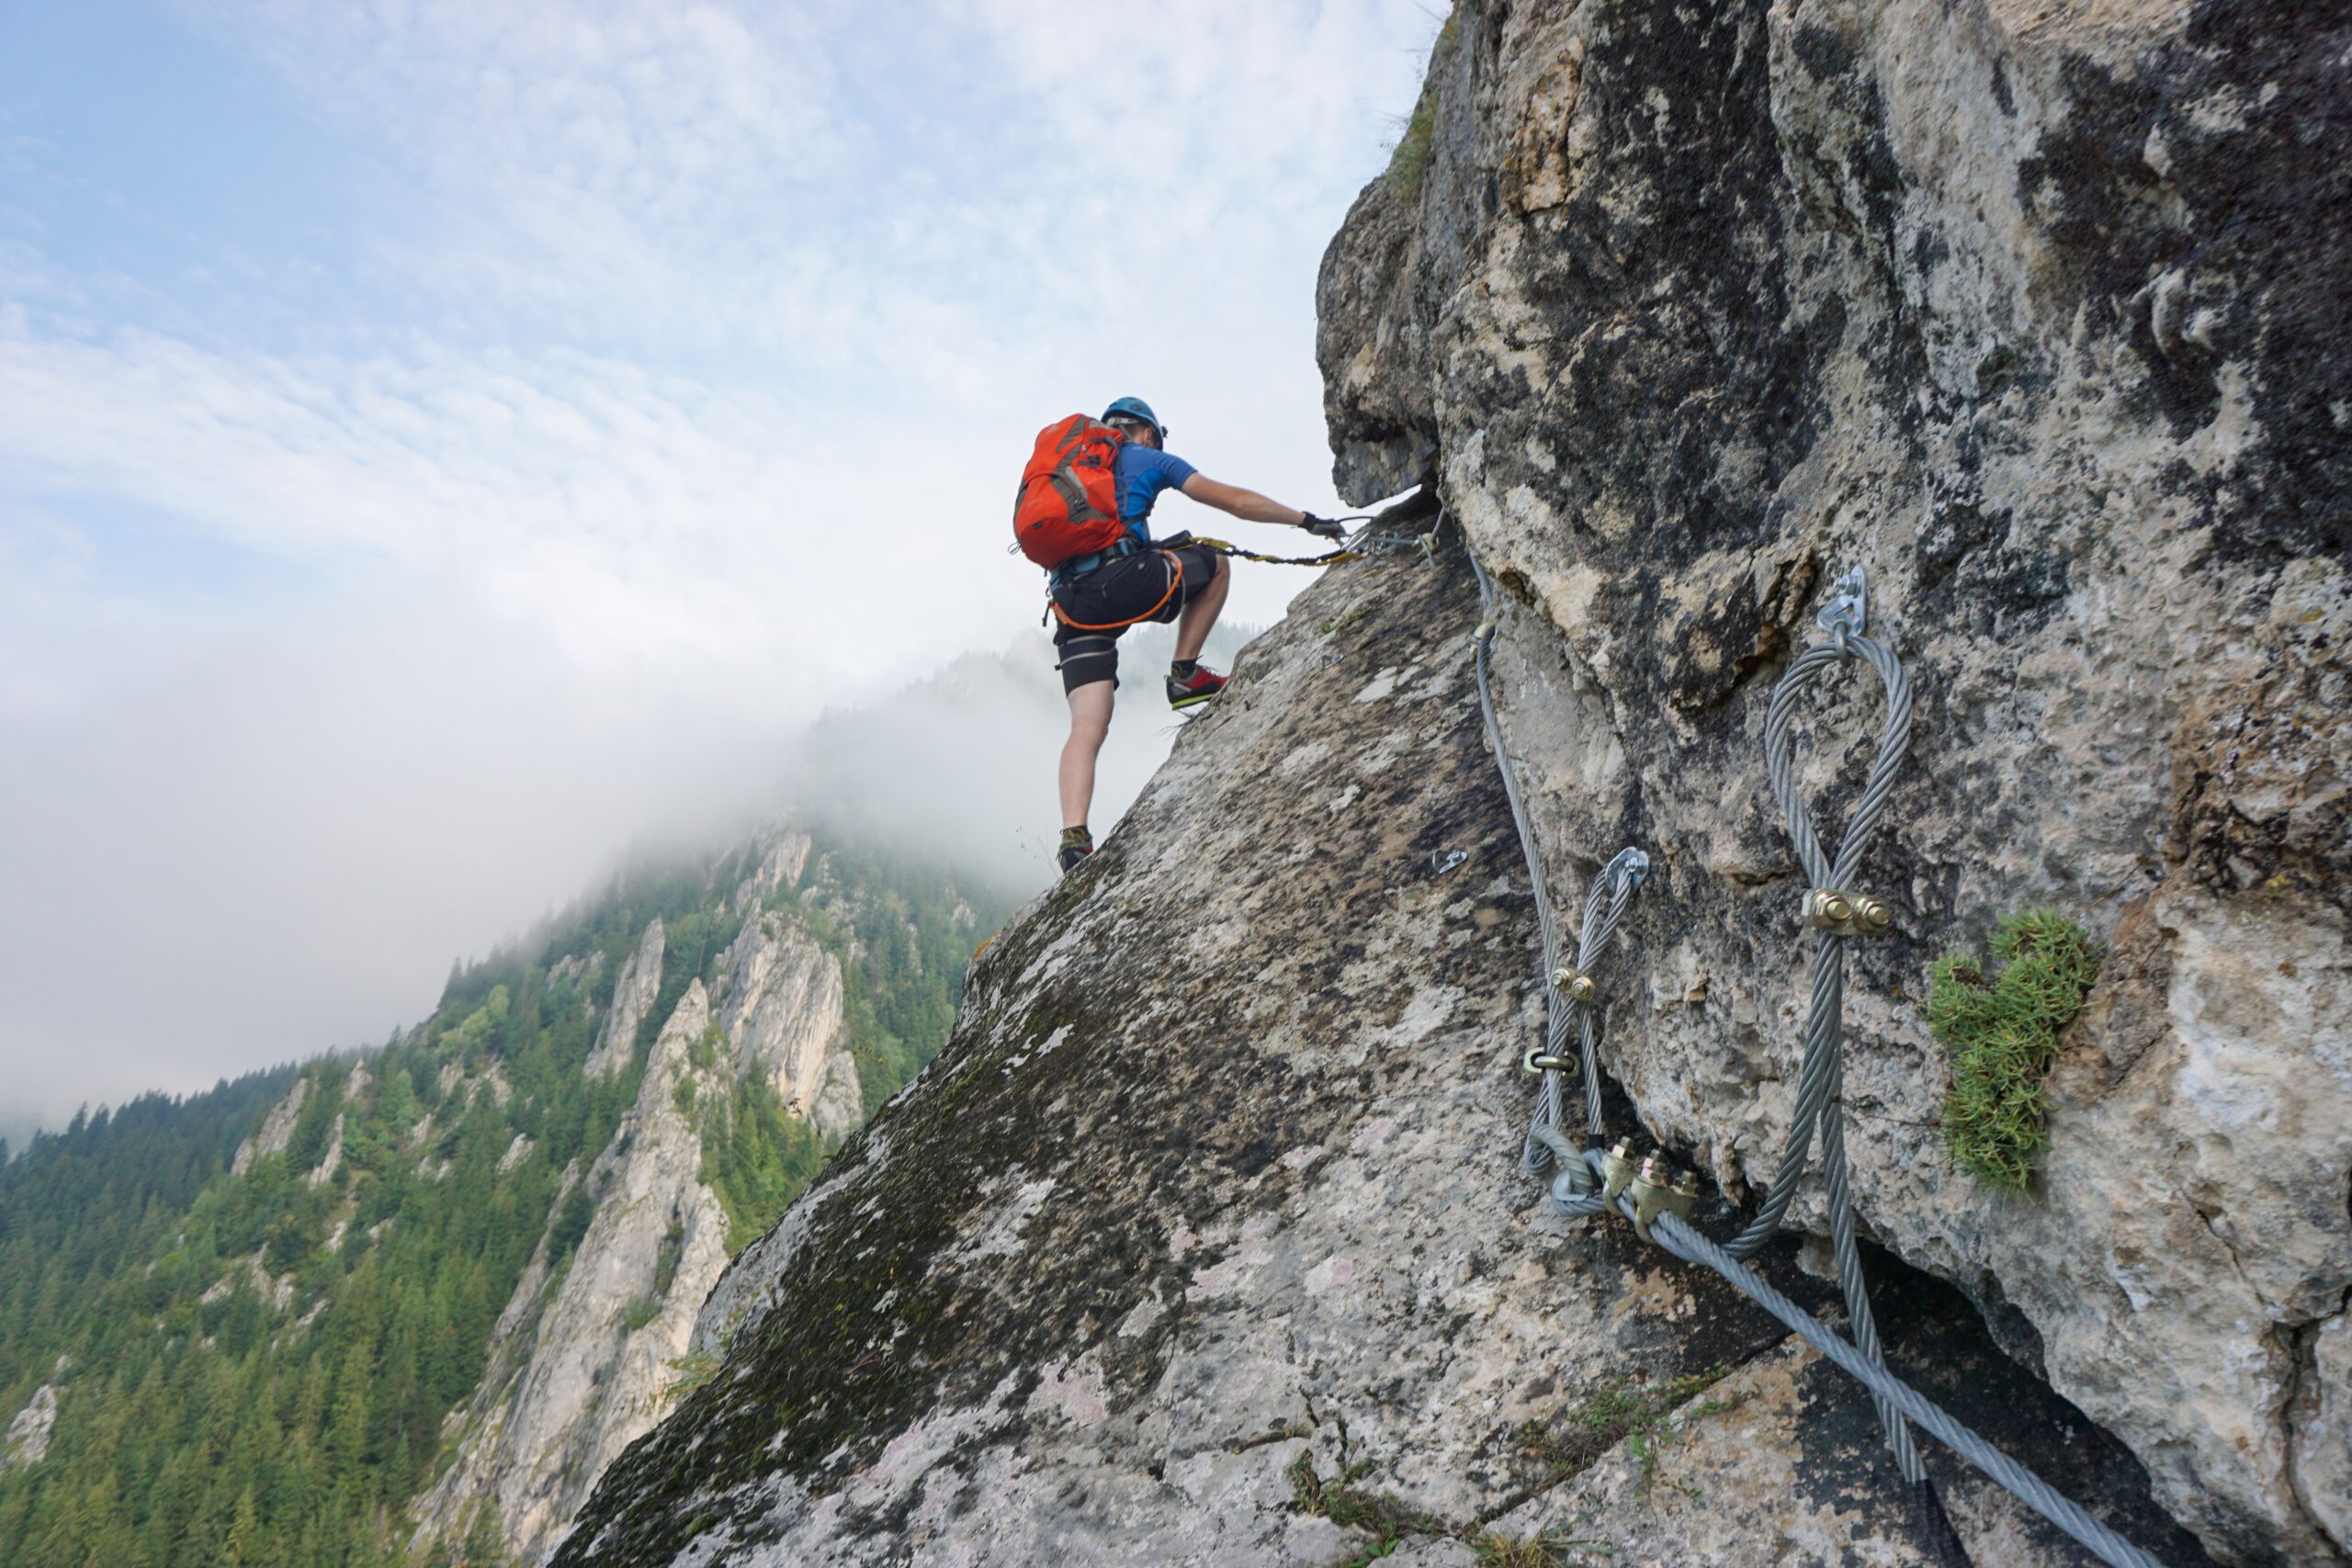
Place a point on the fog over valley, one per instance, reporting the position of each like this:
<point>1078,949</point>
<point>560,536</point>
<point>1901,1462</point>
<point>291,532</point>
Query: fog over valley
<point>319,931</point>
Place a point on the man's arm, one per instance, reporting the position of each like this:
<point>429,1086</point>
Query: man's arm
<point>1245,504</point>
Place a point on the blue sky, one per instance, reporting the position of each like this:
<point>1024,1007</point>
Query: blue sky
<point>442,441</point>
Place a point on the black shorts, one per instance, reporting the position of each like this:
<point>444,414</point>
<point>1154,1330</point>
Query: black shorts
<point>1141,587</point>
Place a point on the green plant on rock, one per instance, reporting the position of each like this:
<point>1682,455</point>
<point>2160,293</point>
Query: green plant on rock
<point>1547,1548</point>
<point>1341,1501</point>
<point>1410,161</point>
<point>694,1368</point>
<point>1638,1414</point>
<point>2003,1034</point>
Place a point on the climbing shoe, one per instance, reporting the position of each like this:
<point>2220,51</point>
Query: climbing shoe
<point>1189,685</point>
<point>1077,844</point>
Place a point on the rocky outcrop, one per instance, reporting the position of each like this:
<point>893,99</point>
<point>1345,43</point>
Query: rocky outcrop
<point>1207,1227</point>
<point>27,1441</point>
<point>2035,313</point>
<point>331,1161</point>
<point>784,1007</point>
<point>839,1101</point>
<point>277,1129</point>
<point>634,992</point>
<point>784,855</point>
<point>592,1346</point>
<point>603,1343</point>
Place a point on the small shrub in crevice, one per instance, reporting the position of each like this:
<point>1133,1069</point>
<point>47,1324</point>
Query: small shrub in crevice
<point>1341,1501</point>
<point>2002,1032</point>
<point>1634,1414</point>
<point>1548,1549</point>
<point>1410,161</point>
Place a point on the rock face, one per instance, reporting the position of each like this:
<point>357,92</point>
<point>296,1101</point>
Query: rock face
<point>602,1349</point>
<point>583,1364</point>
<point>1206,1232</point>
<point>2038,313</point>
<point>1211,1209</point>
<point>783,1007</point>
<point>27,1441</point>
<point>635,990</point>
<point>277,1129</point>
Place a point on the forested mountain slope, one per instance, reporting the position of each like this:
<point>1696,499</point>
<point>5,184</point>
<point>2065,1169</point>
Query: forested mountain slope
<point>260,1326</point>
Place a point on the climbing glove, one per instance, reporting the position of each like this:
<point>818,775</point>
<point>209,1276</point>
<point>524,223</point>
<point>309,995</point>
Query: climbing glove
<point>1323,526</point>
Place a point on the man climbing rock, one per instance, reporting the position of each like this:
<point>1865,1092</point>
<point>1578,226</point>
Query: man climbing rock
<point>1098,596</point>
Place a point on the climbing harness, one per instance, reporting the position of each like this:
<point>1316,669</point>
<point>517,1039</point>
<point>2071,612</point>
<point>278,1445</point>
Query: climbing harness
<point>1175,581</point>
<point>1658,1200</point>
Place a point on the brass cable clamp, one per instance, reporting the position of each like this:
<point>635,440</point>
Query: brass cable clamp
<point>1657,1189</point>
<point>1581,986</point>
<point>1847,914</point>
<point>1539,1060</point>
<point>1616,1169</point>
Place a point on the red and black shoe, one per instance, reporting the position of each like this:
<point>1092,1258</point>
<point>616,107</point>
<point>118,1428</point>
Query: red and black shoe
<point>1076,845</point>
<point>1193,687</point>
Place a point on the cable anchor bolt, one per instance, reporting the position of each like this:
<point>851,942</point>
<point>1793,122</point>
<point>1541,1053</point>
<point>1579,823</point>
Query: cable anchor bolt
<point>1539,1060</point>
<point>1616,1169</point>
<point>1657,1189</point>
<point>1581,986</point>
<point>1847,914</point>
<point>1848,612</point>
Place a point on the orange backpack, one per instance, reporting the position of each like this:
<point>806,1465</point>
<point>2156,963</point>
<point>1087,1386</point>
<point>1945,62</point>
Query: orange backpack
<point>1068,504</point>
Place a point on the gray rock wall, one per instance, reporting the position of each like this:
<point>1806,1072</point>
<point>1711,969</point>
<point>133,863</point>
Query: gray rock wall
<point>1213,1199</point>
<point>783,1011</point>
<point>277,1129</point>
<point>2039,313</point>
<point>597,1354</point>
<point>635,990</point>
<point>27,1440</point>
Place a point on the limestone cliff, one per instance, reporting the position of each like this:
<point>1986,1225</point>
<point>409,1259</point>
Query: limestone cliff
<point>2037,313</point>
<point>588,1355</point>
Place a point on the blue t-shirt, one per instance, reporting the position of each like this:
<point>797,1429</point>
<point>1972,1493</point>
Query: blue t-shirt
<point>1141,473</point>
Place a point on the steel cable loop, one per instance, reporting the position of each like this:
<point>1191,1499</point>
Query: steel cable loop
<point>1824,1020</point>
<point>1821,1071</point>
<point>1605,906</point>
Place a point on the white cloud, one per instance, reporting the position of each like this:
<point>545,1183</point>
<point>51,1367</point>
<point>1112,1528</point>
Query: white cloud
<point>678,391</point>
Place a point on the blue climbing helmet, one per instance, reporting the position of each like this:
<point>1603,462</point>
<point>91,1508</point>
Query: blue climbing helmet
<point>1136,408</point>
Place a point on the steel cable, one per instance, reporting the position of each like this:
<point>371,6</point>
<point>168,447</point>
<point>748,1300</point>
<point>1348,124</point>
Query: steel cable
<point>1579,1180</point>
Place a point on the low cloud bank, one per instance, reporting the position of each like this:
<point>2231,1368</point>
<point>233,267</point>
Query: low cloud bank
<point>348,803</point>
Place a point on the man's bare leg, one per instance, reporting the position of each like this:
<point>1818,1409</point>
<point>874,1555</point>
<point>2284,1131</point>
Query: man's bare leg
<point>1200,616</point>
<point>1090,721</point>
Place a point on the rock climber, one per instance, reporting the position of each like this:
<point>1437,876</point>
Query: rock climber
<point>1098,596</point>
